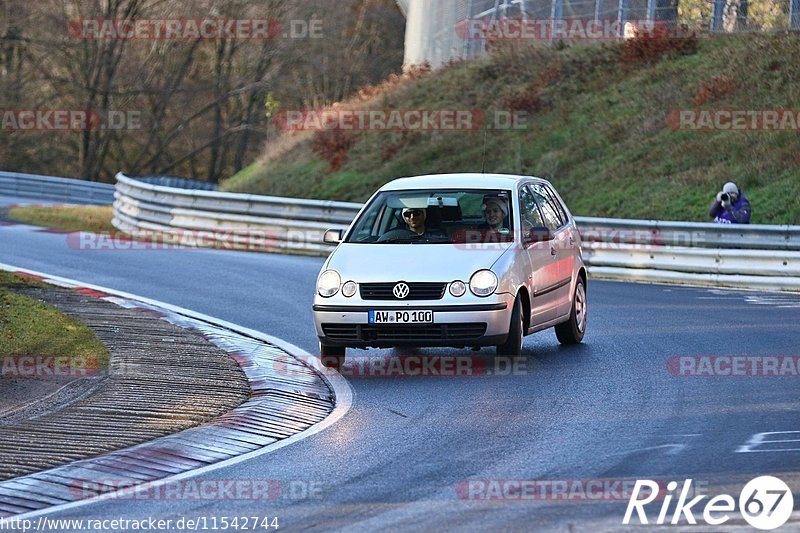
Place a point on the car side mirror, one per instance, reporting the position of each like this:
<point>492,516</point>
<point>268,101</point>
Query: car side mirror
<point>538,234</point>
<point>333,236</point>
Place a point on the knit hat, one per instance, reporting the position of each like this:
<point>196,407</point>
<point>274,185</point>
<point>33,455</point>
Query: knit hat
<point>502,203</point>
<point>730,188</point>
<point>407,209</point>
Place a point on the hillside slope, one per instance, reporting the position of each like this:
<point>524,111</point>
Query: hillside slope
<point>597,127</point>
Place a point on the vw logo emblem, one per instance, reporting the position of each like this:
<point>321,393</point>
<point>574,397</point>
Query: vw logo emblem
<point>400,290</point>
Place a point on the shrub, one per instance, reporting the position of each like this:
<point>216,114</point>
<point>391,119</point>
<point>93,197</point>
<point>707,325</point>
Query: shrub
<point>333,146</point>
<point>406,139</point>
<point>530,98</point>
<point>651,45</point>
<point>712,89</point>
<point>392,82</point>
<point>527,100</point>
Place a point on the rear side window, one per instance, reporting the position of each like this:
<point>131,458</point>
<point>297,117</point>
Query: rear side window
<point>531,216</point>
<point>552,195</point>
<point>550,213</point>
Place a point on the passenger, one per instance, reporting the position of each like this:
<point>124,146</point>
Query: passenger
<point>495,211</point>
<point>493,230</point>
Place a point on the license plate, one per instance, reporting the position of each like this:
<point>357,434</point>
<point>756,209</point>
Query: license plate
<point>401,317</point>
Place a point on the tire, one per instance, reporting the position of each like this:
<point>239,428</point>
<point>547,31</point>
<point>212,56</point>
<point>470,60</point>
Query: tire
<point>332,356</point>
<point>513,345</point>
<point>573,330</point>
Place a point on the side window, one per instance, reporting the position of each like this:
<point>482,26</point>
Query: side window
<point>551,215</point>
<point>529,211</point>
<point>367,228</point>
<point>557,203</point>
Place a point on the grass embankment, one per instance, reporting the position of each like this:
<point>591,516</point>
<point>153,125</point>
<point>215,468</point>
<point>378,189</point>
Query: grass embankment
<point>67,218</point>
<point>597,129</point>
<point>29,327</point>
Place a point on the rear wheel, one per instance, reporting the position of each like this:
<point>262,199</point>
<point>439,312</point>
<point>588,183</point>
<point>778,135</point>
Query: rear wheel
<point>572,331</point>
<point>513,345</point>
<point>332,356</point>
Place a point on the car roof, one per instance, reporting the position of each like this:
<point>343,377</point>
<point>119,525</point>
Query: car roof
<point>462,180</point>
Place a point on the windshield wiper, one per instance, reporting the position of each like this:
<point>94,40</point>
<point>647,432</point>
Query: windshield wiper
<point>402,240</point>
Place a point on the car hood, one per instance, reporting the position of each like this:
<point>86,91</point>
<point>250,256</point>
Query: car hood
<point>412,262</point>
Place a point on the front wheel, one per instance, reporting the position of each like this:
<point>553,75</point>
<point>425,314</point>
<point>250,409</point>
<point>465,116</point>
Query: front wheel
<point>573,330</point>
<point>513,345</point>
<point>332,356</point>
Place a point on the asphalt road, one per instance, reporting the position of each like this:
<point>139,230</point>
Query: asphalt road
<point>605,410</point>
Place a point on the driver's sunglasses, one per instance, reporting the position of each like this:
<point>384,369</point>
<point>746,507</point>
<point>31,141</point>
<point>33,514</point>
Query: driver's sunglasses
<point>415,212</point>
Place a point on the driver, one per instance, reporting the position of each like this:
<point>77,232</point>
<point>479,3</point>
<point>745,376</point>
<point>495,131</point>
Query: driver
<point>415,220</point>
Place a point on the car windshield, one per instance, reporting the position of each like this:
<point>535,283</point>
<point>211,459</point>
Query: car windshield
<point>436,217</point>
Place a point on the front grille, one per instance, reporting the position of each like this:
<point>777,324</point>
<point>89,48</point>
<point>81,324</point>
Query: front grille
<point>417,291</point>
<point>404,333</point>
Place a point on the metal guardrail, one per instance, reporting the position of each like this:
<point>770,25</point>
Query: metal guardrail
<point>50,188</point>
<point>178,182</point>
<point>752,256</point>
<point>693,234</point>
<point>288,225</point>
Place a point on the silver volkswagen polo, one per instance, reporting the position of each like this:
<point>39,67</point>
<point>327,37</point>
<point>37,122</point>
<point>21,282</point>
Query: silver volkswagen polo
<point>459,260</point>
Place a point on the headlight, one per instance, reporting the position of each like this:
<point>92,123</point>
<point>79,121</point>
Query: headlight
<point>349,288</point>
<point>458,288</point>
<point>483,283</point>
<point>328,283</point>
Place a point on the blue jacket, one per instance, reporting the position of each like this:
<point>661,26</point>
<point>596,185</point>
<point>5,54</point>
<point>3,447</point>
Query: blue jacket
<point>738,213</point>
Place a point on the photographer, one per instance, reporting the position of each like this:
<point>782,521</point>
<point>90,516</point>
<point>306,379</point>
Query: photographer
<point>731,206</point>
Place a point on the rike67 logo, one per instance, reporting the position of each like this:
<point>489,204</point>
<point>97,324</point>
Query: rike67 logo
<point>765,502</point>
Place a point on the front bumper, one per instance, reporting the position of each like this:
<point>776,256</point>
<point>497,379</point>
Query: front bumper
<point>483,322</point>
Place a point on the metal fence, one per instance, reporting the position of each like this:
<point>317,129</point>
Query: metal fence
<point>433,35</point>
<point>53,189</point>
<point>752,256</point>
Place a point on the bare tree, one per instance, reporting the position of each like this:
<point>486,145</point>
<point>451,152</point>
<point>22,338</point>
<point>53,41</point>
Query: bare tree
<point>201,100</point>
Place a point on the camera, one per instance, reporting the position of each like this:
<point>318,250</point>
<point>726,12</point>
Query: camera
<point>725,197</point>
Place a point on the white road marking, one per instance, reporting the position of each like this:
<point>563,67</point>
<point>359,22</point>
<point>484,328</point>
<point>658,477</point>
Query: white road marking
<point>673,449</point>
<point>778,300</point>
<point>758,439</point>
